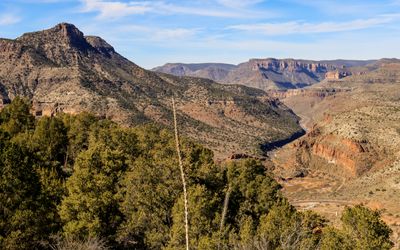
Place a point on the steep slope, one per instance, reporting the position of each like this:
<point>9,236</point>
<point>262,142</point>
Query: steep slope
<point>213,71</point>
<point>61,70</point>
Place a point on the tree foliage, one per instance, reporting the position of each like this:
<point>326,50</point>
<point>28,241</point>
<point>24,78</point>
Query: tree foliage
<point>83,182</point>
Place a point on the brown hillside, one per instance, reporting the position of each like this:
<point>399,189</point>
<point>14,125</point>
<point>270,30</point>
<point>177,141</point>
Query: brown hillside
<point>61,70</point>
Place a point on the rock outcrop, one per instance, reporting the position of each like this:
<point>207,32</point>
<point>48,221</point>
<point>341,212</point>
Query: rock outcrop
<point>336,75</point>
<point>353,158</point>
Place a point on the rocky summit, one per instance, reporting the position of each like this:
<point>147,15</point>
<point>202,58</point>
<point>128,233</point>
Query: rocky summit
<point>61,70</point>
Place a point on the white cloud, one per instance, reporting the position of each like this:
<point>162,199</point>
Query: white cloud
<point>157,34</point>
<point>299,27</point>
<point>108,9</point>
<point>238,3</point>
<point>174,34</point>
<point>355,8</point>
<point>116,9</point>
<point>8,19</point>
<point>151,34</point>
<point>180,9</point>
<point>43,1</point>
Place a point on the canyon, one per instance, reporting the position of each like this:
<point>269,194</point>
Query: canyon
<point>350,152</point>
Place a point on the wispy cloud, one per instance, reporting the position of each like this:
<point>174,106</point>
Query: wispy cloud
<point>238,3</point>
<point>109,9</point>
<point>8,19</point>
<point>175,34</point>
<point>299,27</point>
<point>117,9</point>
<point>340,7</point>
<point>42,1</point>
<point>159,34</point>
<point>169,8</point>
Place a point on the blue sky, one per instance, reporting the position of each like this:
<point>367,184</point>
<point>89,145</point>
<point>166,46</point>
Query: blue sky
<point>154,32</point>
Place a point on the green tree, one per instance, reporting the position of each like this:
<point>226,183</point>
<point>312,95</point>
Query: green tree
<point>78,130</point>
<point>204,210</point>
<point>50,141</point>
<point>335,239</point>
<point>150,191</point>
<point>285,228</point>
<point>254,192</point>
<point>21,223</point>
<point>16,117</point>
<point>366,228</point>
<point>277,225</point>
<point>91,207</point>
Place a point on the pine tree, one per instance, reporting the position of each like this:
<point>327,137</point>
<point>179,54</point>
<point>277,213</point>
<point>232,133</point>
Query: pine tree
<point>21,223</point>
<point>16,118</point>
<point>366,228</point>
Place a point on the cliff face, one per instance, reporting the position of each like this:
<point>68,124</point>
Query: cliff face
<point>320,93</point>
<point>350,157</point>
<point>61,70</point>
<point>290,65</point>
<point>266,74</point>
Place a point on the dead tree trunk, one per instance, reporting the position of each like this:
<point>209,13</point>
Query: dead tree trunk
<point>178,150</point>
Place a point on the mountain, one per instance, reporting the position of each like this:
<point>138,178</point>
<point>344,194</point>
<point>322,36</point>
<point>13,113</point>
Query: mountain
<point>267,74</point>
<point>61,70</point>
<point>213,71</point>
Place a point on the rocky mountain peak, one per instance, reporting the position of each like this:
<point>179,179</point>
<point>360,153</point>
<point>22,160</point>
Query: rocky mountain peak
<point>68,31</point>
<point>63,35</point>
<point>64,44</point>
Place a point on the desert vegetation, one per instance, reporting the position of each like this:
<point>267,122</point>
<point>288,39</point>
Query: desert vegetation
<point>81,182</point>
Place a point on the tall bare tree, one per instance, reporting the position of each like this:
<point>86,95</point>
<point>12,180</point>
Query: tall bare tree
<point>178,150</point>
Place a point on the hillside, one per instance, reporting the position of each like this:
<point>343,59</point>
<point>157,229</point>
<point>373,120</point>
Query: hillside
<point>61,70</point>
<point>267,74</point>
